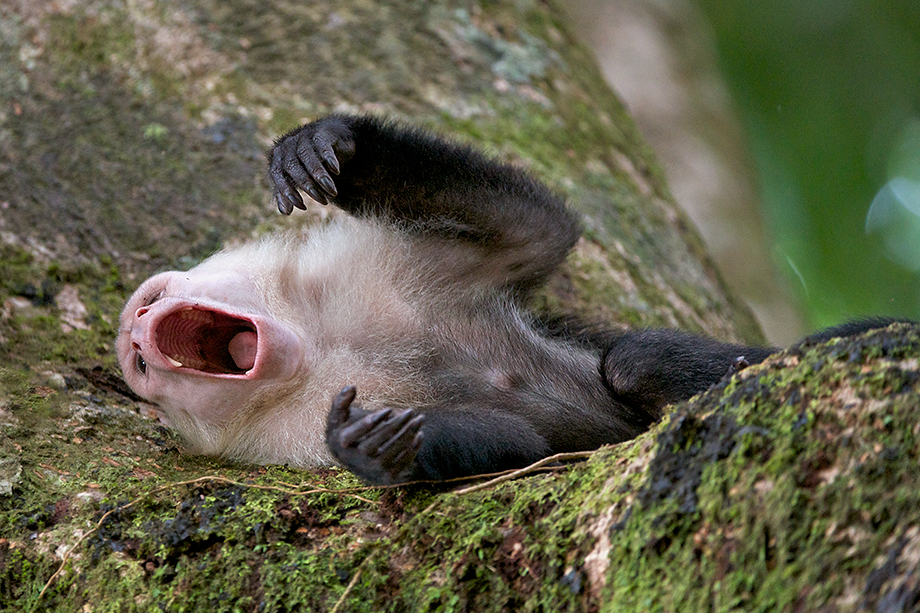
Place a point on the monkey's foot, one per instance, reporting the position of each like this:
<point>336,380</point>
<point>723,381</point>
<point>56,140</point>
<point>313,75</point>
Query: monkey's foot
<point>379,446</point>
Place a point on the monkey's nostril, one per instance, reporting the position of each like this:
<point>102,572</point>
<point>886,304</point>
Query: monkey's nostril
<point>141,312</point>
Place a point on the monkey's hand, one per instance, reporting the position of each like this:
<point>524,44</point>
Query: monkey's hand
<point>378,446</point>
<point>304,158</point>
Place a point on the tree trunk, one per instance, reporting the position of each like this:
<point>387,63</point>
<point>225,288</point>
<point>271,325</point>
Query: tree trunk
<point>130,141</point>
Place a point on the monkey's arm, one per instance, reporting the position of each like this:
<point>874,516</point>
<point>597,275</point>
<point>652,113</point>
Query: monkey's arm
<point>428,186</point>
<point>387,446</point>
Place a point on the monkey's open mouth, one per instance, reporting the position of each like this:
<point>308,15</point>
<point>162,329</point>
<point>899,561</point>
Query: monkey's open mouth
<point>208,341</point>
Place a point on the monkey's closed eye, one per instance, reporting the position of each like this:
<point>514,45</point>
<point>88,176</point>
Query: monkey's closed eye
<point>153,298</point>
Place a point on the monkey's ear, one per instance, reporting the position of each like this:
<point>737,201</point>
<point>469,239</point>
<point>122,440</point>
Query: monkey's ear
<point>305,158</point>
<point>379,446</point>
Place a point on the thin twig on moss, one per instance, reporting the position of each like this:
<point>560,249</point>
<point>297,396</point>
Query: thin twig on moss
<point>535,467</point>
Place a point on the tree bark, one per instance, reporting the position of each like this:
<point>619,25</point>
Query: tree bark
<point>131,139</point>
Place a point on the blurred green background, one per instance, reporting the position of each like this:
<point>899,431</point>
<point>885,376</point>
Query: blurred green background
<point>829,93</point>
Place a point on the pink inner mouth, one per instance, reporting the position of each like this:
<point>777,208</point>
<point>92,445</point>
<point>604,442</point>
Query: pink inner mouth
<point>208,341</point>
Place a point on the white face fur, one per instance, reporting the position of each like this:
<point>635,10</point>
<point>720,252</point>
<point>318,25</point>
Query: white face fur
<point>244,353</point>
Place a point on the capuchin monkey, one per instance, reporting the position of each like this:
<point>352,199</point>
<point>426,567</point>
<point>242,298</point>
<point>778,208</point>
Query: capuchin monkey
<point>395,341</point>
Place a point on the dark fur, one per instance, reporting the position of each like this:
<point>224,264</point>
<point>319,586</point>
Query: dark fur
<point>506,390</point>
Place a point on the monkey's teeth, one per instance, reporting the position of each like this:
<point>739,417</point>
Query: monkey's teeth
<point>174,362</point>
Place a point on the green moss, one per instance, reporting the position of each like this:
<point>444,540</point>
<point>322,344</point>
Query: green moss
<point>777,490</point>
<point>101,40</point>
<point>36,334</point>
<point>91,40</point>
<point>780,489</point>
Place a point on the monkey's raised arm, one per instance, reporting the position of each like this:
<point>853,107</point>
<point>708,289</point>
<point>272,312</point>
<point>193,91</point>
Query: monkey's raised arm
<point>429,186</point>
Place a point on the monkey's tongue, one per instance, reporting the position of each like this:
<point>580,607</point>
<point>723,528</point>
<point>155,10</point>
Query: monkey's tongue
<point>242,348</point>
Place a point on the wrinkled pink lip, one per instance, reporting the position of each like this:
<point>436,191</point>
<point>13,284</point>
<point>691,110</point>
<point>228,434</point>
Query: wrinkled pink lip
<point>209,342</point>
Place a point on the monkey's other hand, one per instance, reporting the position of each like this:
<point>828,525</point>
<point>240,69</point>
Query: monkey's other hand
<point>304,158</point>
<point>378,446</point>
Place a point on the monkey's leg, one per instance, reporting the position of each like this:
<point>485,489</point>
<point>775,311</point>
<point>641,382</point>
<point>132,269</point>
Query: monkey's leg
<point>649,369</point>
<point>853,328</point>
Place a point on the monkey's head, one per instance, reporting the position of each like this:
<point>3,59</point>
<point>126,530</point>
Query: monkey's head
<point>201,345</point>
<point>244,353</point>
